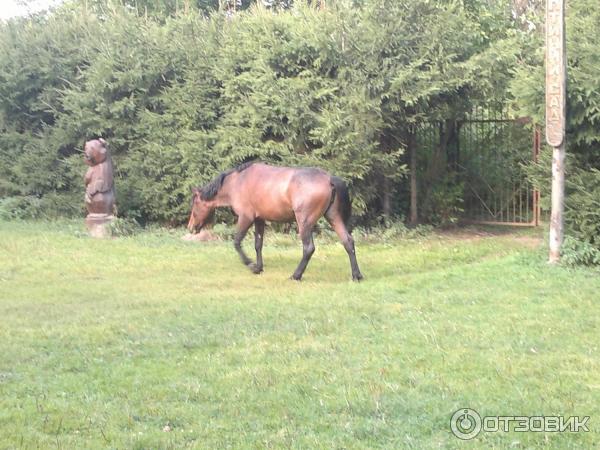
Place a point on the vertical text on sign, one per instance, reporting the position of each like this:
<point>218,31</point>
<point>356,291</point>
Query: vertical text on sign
<point>555,73</point>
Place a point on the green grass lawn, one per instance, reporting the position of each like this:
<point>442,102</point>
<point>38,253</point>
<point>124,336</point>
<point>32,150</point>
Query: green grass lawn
<point>153,342</point>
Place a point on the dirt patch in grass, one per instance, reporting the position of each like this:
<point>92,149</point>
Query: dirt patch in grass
<point>528,237</point>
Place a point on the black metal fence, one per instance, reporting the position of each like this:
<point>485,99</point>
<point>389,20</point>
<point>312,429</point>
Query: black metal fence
<point>484,153</point>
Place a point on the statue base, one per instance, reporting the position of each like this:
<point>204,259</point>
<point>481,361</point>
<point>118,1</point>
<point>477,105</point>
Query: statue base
<point>98,225</point>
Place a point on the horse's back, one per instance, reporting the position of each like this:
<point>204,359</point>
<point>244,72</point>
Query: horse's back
<point>278,193</point>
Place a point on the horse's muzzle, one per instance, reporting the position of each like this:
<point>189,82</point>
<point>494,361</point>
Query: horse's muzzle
<point>194,228</point>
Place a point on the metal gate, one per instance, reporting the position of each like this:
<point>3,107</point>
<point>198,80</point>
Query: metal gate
<point>487,151</point>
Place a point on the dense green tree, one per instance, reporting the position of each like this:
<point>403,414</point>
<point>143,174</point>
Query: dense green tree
<point>183,89</point>
<point>40,58</point>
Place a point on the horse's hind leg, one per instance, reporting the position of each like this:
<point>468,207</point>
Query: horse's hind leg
<point>243,225</point>
<point>338,225</point>
<point>305,229</point>
<point>259,233</point>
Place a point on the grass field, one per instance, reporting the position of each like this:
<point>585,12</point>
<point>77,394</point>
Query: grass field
<point>152,342</point>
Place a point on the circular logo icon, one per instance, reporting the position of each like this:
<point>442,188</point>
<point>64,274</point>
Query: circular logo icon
<point>465,423</point>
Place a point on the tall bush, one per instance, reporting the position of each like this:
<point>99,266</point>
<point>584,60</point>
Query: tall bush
<point>182,93</point>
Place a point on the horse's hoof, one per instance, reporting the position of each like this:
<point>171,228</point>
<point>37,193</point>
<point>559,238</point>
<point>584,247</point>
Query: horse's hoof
<point>254,268</point>
<point>296,278</point>
<point>358,277</point>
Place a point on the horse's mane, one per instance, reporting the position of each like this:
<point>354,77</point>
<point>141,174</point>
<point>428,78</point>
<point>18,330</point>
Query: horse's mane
<point>209,191</point>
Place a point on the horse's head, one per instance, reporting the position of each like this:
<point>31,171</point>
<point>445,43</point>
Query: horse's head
<point>201,211</point>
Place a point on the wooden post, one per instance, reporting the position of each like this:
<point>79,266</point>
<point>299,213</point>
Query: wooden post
<point>556,83</point>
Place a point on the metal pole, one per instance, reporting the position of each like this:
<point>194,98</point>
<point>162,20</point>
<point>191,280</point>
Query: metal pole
<point>537,144</point>
<point>556,83</point>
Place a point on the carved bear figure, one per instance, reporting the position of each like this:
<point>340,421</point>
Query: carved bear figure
<point>99,181</point>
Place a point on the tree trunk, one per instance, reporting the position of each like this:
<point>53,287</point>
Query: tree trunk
<point>386,199</point>
<point>412,149</point>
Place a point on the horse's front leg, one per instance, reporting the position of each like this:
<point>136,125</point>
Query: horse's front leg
<point>259,233</point>
<point>243,225</point>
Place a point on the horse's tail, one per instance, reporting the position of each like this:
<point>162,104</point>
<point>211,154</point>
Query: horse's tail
<point>340,200</point>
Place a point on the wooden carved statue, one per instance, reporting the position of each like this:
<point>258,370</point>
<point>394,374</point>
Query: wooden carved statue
<point>99,186</point>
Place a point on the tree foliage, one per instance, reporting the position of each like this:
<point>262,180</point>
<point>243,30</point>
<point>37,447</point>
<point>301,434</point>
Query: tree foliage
<point>583,120</point>
<point>184,89</point>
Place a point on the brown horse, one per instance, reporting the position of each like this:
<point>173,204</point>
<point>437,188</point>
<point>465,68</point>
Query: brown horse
<point>258,192</point>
